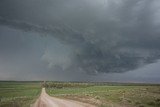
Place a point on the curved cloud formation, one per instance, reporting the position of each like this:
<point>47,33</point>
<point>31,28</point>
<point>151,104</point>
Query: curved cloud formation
<point>108,36</point>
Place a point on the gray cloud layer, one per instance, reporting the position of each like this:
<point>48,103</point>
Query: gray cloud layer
<point>107,36</point>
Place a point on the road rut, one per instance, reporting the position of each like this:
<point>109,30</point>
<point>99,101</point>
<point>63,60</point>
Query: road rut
<point>47,101</point>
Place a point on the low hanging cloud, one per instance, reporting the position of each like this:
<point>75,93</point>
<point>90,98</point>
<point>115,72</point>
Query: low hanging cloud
<point>110,37</point>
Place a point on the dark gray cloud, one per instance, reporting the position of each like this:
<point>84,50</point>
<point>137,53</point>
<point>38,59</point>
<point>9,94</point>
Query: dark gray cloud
<point>104,36</point>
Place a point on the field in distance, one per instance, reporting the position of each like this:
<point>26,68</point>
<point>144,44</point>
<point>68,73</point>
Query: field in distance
<point>18,94</point>
<point>107,94</point>
<point>22,94</point>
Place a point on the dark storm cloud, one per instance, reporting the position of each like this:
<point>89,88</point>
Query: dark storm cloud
<point>106,35</point>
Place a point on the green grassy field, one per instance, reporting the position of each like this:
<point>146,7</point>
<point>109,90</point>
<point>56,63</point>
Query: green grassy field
<point>111,95</point>
<point>22,94</point>
<point>18,94</point>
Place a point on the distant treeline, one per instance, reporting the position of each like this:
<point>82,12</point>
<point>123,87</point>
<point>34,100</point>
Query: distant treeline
<point>124,84</point>
<point>65,85</point>
<point>50,84</point>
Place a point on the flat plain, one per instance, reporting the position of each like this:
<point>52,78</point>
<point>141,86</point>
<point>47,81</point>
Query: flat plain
<point>109,94</point>
<point>18,94</point>
<point>24,94</point>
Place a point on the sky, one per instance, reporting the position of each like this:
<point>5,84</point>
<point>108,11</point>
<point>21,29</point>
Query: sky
<point>80,40</point>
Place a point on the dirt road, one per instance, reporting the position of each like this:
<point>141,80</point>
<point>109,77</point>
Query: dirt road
<point>47,101</point>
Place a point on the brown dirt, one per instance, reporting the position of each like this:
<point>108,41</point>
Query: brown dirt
<point>47,101</point>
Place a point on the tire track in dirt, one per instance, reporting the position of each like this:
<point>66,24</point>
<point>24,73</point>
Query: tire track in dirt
<point>47,101</point>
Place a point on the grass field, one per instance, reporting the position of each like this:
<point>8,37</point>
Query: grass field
<point>22,94</point>
<point>18,94</point>
<point>112,95</point>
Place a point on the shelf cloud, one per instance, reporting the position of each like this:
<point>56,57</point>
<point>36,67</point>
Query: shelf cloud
<point>104,36</point>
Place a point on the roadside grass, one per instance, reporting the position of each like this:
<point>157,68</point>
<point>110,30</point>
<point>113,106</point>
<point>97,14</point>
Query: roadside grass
<point>18,94</point>
<point>22,94</point>
<point>112,96</point>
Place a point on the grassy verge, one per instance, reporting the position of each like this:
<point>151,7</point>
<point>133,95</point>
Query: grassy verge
<point>109,96</point>
<point>18,94</point>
